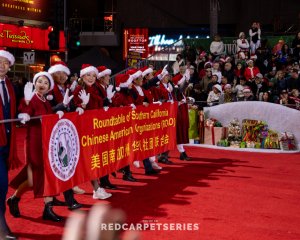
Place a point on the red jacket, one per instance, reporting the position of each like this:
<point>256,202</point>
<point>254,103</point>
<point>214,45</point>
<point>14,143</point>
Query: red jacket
<point>251,72</point>
<point>12,161</point>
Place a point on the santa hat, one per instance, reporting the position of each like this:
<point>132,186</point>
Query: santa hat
<point>178,79</point>
<point>253,57</point>
<point>249,61</point>
<point>59,67</point>
<point>206,64</point>
<point>246,89</point>
<point>134,73</point>
<point>103,71</point>
<point>218,87</point>
<point>165,73</point>
<point>123,81</point>
<point>8,56</point>
<point>228,59</point>
<point>46,74</point>
<point>146,70</point>
<point>87,68</point>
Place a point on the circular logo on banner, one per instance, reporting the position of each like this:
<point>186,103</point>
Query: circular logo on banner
<point>64,149</point>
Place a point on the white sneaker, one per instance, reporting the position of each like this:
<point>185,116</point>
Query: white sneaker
<point>156,166</point>
<point>101,194</point>
<point>136,164</point>
<point>78,190</point>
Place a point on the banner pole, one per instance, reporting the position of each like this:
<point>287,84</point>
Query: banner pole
<point>17,119</point>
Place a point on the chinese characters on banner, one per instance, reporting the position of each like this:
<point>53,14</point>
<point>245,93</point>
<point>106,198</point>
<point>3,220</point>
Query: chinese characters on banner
<point>77,148</point>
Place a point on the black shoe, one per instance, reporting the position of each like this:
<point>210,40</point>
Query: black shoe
<point>184,156</point>
<point>57,202</point>
<point>114,174</point>
<point>13,204</point>
<point>129,178</point>
<point>48,213</point>
<point>152,172</point>
<point>75,205</point>
<point>10,236</point>
<point>164,160</point>
<point>108,185</point>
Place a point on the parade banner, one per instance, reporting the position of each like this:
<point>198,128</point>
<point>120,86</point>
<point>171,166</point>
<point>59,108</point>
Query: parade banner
<point>80,148</point>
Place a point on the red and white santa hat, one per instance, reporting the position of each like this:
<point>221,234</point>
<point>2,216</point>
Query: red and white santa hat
<point>59,67</point>
<point>8,56</point>
<point>103,71</point>
<point>246,89</point>
<point>134,73</point>
<point>163,74</point>
<point>146,70</point>
<point>123,81</point>
<point>178,79</point>
<point>207,64</point>
<point>87,68</point>
<point>47,75</point>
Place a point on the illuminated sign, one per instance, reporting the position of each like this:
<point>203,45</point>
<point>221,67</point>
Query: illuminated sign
<point>26,37</point>
<point>135,40</point>
<point>162,40</point>
<point>27,9</point>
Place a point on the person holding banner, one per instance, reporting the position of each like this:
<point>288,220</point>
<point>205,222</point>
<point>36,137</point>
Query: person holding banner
<point>180,82</point>
<point>8,153</point>
<point>87,97</point>
<point>106,93</point>
<point>60,100</point>
<point>123,98</point>
<point>142,97</point>
<point>34,104</point>
<point>164,93</point>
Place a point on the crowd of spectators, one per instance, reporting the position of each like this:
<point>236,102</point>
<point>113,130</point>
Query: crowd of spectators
<point>256,72</point>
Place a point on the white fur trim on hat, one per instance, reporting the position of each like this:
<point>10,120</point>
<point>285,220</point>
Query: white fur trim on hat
<point>217,86</point>
<point>127,83</point>
<point>147,71</point>
<point>88,70</point>
<point>59,68</point>
<point>136,75</point>
<point>105,72</point>
<point>8,55</point>
<point>46,74</point>
<point>165,73</point>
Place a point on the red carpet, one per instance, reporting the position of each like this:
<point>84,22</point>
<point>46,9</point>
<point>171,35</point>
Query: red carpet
<point>232,195</point>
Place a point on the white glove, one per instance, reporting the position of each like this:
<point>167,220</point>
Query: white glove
<point>28,91</point>
<point>67,98</point>
<point>105,108</point>
<point>170,101</point>
<point>191,100</point>
<point>110,93</point>
<point>187,75</point>
<point>79,110</point>
<point>73,85</point>
<point>190,85</point>
<point>133,106</point>
<point>85,98</point>
<point>183,100</point>
<point>60,114</point>
<point>158,102</point>
<point>162,72</point>
<point>24,117</point>
<point>170,88</point>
